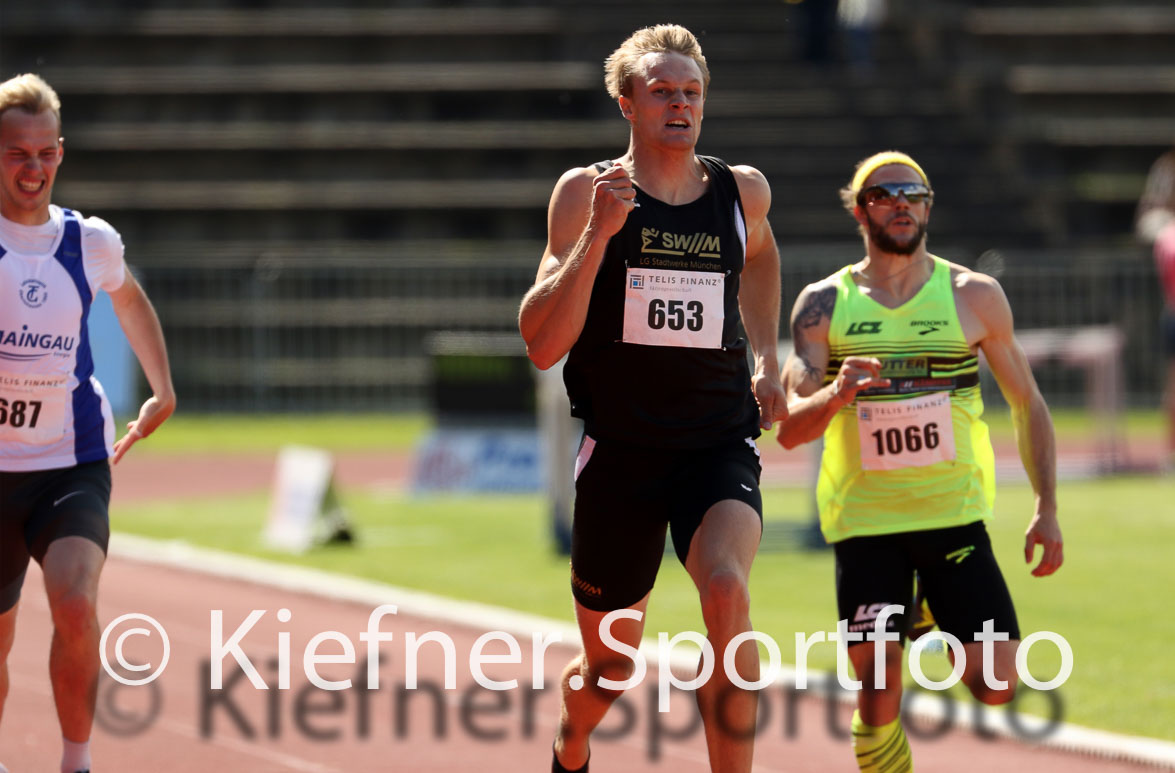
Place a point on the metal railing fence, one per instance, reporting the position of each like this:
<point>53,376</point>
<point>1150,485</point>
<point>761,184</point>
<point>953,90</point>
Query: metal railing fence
<point>346,326</point>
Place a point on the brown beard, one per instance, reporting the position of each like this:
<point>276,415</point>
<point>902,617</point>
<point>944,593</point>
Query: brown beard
<point>887,243</point>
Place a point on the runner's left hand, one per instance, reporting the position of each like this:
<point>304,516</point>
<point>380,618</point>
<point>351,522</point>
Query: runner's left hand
<point>1045,531</point>
<point>769,394</point>
<point>153,413</point>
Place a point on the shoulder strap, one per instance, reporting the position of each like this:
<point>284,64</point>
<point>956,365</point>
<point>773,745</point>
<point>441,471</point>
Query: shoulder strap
<point>69,255</point>
<point>723,181</point>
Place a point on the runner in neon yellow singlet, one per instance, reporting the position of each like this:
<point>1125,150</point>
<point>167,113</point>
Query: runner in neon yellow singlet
<point>886,370</point>
<point>923,352</point>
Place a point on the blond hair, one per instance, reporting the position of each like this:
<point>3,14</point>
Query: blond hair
<point>30,93</point>
<point>620,66</point>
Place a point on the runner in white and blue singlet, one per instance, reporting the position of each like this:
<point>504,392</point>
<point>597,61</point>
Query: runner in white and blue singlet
<point>56,426</point>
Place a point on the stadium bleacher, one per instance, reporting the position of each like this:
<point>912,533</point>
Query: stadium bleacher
<point>310,191</point>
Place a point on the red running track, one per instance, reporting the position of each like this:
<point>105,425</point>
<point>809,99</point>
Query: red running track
<point>304,729</point>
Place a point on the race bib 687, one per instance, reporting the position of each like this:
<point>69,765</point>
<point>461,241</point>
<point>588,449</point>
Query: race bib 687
<point>32,407</point>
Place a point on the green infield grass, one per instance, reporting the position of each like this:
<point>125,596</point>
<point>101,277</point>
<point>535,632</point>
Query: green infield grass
<point>266,433</point>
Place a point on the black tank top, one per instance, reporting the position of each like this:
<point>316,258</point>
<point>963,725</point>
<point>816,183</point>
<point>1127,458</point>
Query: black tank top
<point>678,395</point>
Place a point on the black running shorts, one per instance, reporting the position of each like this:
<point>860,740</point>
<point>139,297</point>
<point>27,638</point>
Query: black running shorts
<point>626,497</point>
<point>39,507</point>
<point>960,577</point>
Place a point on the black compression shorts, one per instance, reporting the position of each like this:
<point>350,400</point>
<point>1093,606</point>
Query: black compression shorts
<point>960,577</point>
<point>39,507</point>
<point>625,498</point>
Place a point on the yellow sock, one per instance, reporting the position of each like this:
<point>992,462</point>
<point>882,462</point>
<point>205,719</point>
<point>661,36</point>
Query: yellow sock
<point>881,749</point>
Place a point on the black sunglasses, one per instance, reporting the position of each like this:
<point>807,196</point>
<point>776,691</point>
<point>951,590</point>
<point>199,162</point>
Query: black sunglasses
<point>886,193</point>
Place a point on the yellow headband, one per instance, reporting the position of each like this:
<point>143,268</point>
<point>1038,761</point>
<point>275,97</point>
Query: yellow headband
<point>873,163</point>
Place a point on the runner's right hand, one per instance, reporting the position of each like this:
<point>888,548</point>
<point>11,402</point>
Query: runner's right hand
<point>857,374</point>
<point>613,198</point>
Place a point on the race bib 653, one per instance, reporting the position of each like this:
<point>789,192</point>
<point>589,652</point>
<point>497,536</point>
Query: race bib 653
<point>663,307</point>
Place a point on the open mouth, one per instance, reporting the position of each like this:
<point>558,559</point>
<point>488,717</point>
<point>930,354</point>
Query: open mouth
<point>30,186</point>
<point>678,123</point>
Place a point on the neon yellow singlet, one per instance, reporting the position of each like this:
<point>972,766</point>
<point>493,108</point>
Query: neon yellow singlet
<point>887,465</point>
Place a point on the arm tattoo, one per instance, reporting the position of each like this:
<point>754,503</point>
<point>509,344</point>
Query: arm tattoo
<point>818,305</point>
<point>804,370</point>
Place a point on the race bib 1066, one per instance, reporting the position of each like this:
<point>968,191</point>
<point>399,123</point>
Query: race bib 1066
<point>905,433</point>
<point>673,308</point>
<point>32,407</point>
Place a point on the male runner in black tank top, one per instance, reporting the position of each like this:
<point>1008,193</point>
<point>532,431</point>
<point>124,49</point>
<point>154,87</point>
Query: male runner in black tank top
<point>649,260</point>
